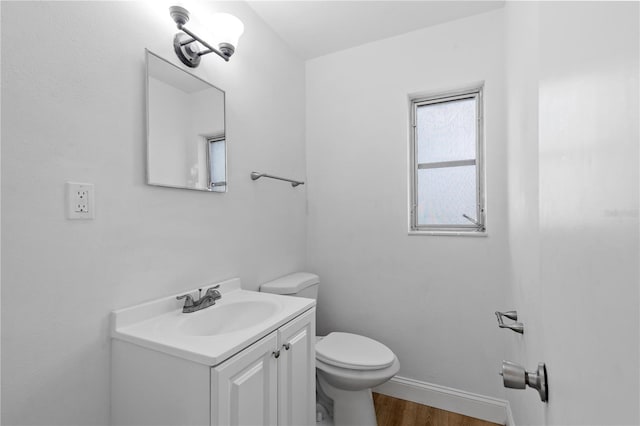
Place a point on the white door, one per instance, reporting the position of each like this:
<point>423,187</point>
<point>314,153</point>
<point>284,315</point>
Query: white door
<point>296,372</point>
<point>589,210</point>
<point>245,388</point>
<point>574,185</point>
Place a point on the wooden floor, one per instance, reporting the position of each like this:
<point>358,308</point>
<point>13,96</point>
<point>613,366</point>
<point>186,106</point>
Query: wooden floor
<point>397,412</point>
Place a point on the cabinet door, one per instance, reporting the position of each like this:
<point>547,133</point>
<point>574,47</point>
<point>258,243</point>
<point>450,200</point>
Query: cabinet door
<point>244,389</point>
<point>297,371</point>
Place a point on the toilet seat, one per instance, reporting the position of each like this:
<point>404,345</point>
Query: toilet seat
<point>352,351</point>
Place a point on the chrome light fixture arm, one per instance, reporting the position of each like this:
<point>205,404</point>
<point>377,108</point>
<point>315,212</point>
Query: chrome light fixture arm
<point>225,52</point>
<point>184,42</point>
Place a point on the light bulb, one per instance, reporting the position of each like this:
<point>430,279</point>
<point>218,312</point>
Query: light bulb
<point>227,29</point>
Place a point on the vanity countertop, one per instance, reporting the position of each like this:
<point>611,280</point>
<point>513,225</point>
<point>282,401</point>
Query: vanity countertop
<point>213,334</point>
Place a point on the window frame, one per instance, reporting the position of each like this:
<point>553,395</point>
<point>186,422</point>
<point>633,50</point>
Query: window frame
<point>222,185</point>
<point>478,229</point>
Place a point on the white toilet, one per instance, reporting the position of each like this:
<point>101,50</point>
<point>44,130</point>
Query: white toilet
<point>347,365</point>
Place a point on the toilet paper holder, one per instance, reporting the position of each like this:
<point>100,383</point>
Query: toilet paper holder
<point>514,376</point>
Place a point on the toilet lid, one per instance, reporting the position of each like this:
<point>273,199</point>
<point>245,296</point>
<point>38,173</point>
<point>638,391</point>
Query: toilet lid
<point>353,351</point>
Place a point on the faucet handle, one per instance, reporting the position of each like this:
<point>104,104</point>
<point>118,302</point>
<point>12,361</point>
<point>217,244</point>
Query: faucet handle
<point>187,303</point>
<point>213,291</point>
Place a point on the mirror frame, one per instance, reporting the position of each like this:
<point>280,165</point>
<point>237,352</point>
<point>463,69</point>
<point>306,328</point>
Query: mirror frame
<point>148,140</point>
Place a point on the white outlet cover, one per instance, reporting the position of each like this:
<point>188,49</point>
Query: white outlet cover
<point>80,200</point>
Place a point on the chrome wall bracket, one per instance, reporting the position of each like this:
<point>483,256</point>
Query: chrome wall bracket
<point>515,376</point>
<point>187,51</point>
<point>518,327</point>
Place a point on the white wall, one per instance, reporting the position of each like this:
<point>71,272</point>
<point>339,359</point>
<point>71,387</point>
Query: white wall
<point>207,119</point>
<point>169,129</point>
<point>429,298</point>
<point>73,108</point>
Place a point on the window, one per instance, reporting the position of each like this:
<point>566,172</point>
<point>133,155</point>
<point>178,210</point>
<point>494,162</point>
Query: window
<point>447,193</point>
<point>217,159</point>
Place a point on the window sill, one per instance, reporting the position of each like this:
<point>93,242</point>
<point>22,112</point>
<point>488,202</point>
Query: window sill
<point>449,233</point>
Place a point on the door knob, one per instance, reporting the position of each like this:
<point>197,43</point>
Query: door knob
<point>514,376</point>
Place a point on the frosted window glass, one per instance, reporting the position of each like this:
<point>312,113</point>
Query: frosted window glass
<point>445,194</point>
<point>446,131</point>
<point>217,164</point>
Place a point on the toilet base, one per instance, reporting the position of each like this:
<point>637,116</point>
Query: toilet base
<point>350,408</point>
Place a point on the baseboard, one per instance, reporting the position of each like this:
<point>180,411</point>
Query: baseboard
<point>449,399</point>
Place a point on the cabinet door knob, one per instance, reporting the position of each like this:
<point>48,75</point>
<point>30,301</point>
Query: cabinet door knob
<point>286,346</point>
<point>276,354</point>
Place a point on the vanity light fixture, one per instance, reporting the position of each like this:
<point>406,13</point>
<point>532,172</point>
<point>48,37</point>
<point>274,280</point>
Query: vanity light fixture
<point>188,51</point>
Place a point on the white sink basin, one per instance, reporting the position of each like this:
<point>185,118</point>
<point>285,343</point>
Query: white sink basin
<point>213,334</point>
<point>228,318</point>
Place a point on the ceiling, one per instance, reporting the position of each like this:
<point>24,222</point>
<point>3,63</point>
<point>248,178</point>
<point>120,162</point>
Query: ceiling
<point>314,28</point>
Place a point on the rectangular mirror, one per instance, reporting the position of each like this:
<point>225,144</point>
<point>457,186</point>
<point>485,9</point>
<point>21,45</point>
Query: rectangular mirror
<point>186,143</point>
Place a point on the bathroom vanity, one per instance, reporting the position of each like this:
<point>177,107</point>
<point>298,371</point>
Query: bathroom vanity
<point>247,360</point>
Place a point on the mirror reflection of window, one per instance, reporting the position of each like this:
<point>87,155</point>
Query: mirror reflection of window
<point>217,164</point>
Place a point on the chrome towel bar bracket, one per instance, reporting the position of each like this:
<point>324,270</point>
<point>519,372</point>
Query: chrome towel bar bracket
<point>257,175</point>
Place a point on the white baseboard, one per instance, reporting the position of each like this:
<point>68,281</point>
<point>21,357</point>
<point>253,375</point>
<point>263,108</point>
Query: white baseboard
<point>449,399</point>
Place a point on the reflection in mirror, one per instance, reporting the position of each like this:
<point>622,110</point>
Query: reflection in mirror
<point>216,161</point>
<point>186,144</point>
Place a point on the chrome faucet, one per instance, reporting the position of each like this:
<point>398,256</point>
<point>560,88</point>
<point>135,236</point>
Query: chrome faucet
<point>212,294</point>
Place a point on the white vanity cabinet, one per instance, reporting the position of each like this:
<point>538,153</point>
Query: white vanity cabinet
<point>297,372</point>
<point>269,382</point>
<point>272,382</point>
<point>244,389</point>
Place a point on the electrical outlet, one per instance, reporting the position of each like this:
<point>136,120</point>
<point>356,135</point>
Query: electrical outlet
<point>80,200</point>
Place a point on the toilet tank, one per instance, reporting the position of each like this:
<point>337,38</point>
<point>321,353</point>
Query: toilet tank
<point>300,284</point>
